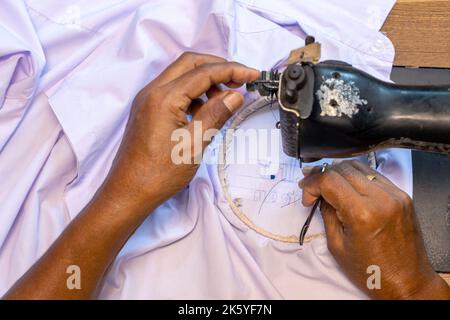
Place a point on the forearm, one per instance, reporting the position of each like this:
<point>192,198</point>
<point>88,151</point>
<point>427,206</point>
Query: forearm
<point>90,242</point>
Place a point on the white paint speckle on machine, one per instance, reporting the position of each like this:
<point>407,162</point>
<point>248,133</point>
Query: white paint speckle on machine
<point>338,98</point>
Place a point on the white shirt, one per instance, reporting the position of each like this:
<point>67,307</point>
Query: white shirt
<point>69,74</point>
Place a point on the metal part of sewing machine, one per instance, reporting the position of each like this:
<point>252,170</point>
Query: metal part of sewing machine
<point>333,110</point>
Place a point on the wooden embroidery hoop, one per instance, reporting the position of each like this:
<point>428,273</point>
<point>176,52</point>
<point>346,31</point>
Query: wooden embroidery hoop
<point>241,116</point>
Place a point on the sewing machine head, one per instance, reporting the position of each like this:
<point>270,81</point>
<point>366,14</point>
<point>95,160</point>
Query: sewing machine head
<point>333,110</point>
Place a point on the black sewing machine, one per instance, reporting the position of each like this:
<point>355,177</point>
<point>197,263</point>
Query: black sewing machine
<point>333,110</point>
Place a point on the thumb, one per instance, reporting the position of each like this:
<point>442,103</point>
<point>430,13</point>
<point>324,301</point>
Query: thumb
<point>217,110</point>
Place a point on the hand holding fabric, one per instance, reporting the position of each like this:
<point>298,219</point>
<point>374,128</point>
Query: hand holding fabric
<point>145,161</point>
<point>143,174</point>
<point>371,222</point>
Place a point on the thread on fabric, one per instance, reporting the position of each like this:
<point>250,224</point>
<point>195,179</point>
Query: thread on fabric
<point>235,206</point>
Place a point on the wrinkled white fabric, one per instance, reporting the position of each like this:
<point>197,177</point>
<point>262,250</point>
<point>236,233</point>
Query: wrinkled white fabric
<point>68,75</point>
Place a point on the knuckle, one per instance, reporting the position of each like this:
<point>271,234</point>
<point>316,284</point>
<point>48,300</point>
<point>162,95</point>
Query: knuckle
<point>326,178</point>
<point>203,70</point>
<point>347,162</point>
<point>234,64</point>
<point>188,56</point>
<point>329,178</point>
<point>363,216</point>
<point>406,201</point>
<point>176,108</point>
<point>345,168</point>
<point>393,206</point>
<point>145,99</point>
<point>177,112</point>
<point>354,163</point>
<point>154,98</point>
<point>200,59</point>
<point>140,96</point>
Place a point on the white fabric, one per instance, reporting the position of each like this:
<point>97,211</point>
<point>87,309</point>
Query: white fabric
<point>68,75</point>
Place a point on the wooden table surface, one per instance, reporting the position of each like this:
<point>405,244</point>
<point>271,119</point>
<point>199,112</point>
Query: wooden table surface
<point>420,31</point>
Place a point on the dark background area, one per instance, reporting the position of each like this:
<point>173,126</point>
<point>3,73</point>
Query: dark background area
<point>431,178</point>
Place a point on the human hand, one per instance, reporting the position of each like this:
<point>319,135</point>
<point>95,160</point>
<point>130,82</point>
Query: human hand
<point>143,173</point>
<point>371,222</point>
<point>144,170</point>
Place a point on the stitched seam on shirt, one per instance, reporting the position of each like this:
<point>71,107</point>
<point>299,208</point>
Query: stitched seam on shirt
<point>245,4</point>
<point>91,31</point>
<point>255,32</point>
<point>324,34</point>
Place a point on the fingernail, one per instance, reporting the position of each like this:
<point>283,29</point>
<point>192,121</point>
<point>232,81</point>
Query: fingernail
<point>233,101</point>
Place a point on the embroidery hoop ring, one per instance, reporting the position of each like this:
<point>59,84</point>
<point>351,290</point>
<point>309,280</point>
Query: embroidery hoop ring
<point>241,116</point>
